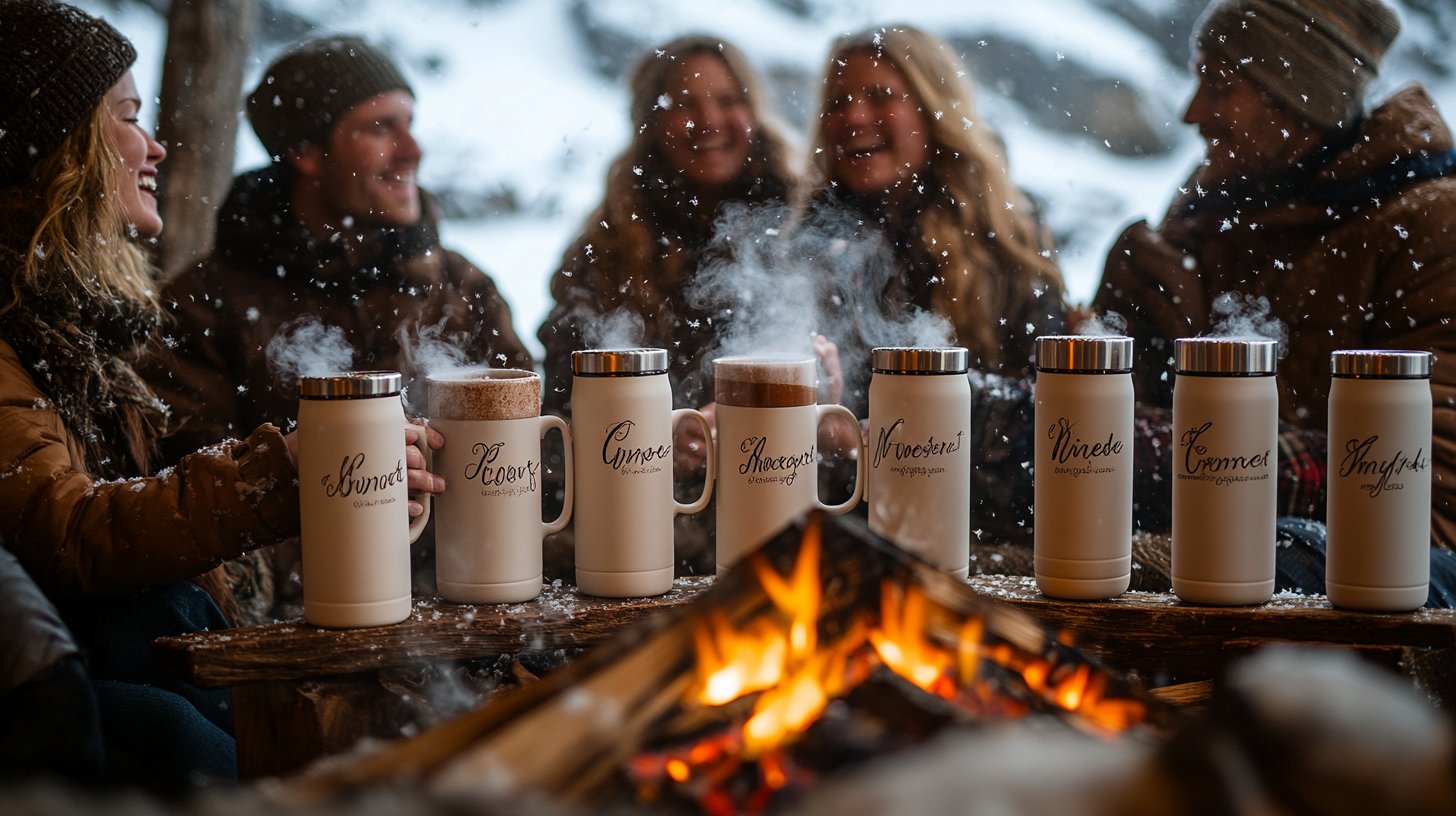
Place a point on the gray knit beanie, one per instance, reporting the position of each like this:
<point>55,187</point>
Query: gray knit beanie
<point>56,65</point>
<point>315,83</point>
<point>1315,57</point>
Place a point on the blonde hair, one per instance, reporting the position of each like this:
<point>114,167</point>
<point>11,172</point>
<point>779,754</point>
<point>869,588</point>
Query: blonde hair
<point>635,267</point>
<point>77,237</point>
<point>979,229</point>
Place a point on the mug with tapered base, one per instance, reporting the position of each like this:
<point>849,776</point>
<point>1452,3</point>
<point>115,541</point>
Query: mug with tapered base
<point>767,440</point>
<point>488,526</point>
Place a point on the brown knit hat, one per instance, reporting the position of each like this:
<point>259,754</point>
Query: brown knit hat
<point>1315,57</point>
<point>315,83</point>
<point>56,65</point>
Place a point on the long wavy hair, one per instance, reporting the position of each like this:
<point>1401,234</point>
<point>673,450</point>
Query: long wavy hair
<point>977,228</point>
<point>628,231</point>
<point>78,237</point>
<point>80,294</point>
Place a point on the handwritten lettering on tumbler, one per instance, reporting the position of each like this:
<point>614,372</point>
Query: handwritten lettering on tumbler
<point>1361,462</point>
<point>629,460</point>
<point>1071,456</point>
<point>491,472</point>
<point>352,481</point>
<point>1198,465</point>
<point>886,447</point>
<point>761,469</point>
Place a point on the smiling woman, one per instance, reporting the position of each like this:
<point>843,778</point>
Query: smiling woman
<point>139,153</point>
<point>122,550</point>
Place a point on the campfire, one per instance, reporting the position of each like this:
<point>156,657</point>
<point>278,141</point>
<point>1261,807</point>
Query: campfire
<point>825,648</point>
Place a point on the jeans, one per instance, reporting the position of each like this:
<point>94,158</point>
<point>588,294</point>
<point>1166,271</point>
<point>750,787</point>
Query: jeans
<point>1300,563</point>
<point>159,732</point>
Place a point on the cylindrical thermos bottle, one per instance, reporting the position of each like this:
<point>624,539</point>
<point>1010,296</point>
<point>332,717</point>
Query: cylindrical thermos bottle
<point>919,477</point>
<point>1082,526</point>
<point>1379,503</point>
<point>354,506</point>
<point>622,424</point>
<point>1225,432</point>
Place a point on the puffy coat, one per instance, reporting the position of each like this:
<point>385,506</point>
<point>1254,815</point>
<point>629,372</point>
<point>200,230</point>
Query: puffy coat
<point>1357,253</point>
<point>79,537</point>
<point>397,300</point>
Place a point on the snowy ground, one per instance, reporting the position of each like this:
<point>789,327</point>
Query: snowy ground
<point>508,99</point>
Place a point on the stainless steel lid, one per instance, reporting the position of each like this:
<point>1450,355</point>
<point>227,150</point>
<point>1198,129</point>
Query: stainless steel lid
<point>1381,364</point>
<point>1110,354</point>
<point>351,385</point>
<point>619,362</point>
<point>920,360</point>
<point>1207,355</point>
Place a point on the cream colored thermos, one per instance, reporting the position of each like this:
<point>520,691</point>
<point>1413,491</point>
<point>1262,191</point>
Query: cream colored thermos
<point>1225,434</point>
<point>1082,526</point>
<point>1379,504</point>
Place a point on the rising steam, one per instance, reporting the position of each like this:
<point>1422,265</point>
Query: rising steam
<point>305,347</point>
<point>782,282</point>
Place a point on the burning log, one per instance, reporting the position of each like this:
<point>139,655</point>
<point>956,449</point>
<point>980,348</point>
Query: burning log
<point>723,687</point>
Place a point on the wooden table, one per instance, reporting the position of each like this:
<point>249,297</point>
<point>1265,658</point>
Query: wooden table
<point>301,692</point>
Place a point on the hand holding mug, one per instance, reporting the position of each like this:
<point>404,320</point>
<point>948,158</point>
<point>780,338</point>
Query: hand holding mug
<point>418,435</point>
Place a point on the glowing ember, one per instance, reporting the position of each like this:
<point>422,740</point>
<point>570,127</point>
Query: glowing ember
<point>940,643</point>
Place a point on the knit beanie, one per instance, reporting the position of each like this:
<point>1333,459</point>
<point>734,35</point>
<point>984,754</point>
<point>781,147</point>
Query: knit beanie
<point>56,65</point>
<point>1315,57</point>
<point>315,83</point>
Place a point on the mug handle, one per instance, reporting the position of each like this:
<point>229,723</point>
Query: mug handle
<point>548,422</point>
<point>859,461</point>
<point>417,525</point>
<point>712,459</point>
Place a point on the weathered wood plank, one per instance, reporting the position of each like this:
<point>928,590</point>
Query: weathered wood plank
<point>1155,633</point>
<point>436,630</point>
<point>1137,630</point>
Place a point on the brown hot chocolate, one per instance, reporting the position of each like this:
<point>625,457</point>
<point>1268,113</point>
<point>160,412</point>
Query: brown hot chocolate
<point>767,381</point>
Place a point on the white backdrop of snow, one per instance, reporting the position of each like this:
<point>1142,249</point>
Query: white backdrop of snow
<point>516,103</point>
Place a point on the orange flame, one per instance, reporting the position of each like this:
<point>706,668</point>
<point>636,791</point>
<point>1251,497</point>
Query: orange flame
<point>777,655</point>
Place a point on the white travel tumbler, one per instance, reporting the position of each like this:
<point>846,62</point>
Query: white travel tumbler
<point>356,529</point>
<point>1225,430</point>
<point>918,482</point>
<point>1379,503</point>
<point>1082,525</point>
<point>622,424</point>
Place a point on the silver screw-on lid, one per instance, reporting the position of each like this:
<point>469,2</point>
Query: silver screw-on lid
<point>351,385</point>
<point>1109,354</point>
<point>920,360</point>
<point>1207,355</point>
<point>619,362</point>
<point>1381,364</point>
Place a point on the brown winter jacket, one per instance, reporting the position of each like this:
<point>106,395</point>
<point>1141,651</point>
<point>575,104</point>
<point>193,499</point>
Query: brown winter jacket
<point>1360,255</point>
<point>79,537</point>
<point>267,270</point>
